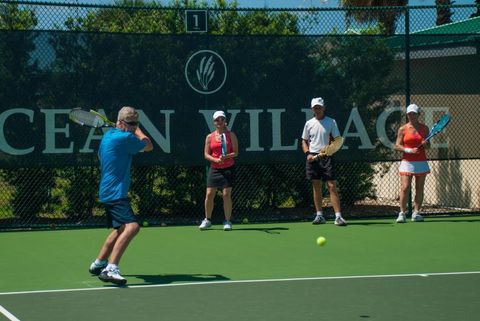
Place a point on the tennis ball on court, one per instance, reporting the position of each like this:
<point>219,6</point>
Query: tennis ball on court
<point>321,241</point>
<point>145,223</point>
<point>245,221</point>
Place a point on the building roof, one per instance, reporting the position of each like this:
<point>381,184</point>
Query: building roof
<point>451,33</point>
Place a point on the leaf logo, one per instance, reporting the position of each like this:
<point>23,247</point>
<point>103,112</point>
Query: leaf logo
<point>206,72</point>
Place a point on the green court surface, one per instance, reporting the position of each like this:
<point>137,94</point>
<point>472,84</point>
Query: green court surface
<point>369,270</point>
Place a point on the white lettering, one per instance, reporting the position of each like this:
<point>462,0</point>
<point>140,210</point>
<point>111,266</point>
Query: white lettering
<point>162,141</point>
<point>51,131</point>
<point>382,126</point>
<point>277,131</point>
<point>254,131</point>
<point>4,146</point>
<point>361,133</point>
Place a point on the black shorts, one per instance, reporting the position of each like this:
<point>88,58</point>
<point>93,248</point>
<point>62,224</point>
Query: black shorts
<point>221,177</point>
<point>322,168</point>
<point>119,212</point>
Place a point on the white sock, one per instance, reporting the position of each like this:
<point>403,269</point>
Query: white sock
<point>111,267</point>
<point>401,213</point>
<point>319,213</point>
<point>338,215</point>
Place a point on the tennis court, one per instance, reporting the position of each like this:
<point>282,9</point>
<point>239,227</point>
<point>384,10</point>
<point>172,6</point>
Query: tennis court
<point>369,270</point>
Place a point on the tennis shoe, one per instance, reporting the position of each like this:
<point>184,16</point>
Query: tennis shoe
<point>112,276</point>
<point>319,219</point>
<point>96,269</point>
<point>339,221</point>
<point>417,217</point>
<point>205,224</point>
<point>401,218</point>
<point>227,226</point>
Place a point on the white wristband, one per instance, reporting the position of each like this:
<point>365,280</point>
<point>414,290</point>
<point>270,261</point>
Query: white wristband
<point>408,150</point>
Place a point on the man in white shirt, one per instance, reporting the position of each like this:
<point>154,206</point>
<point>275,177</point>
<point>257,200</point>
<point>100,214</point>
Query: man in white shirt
<point>317,134</point>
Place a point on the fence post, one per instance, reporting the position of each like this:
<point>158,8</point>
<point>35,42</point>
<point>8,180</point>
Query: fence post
<point>407,83</point>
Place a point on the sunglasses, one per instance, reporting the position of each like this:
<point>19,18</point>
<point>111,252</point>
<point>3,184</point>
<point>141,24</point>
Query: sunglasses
<point>220,119</point>
<point>131,123</point>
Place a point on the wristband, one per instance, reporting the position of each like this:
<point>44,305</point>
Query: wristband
<point>307,152</point>
<point>408,150</point>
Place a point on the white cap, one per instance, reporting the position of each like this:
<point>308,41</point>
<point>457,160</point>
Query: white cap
<point>219,113</point>
<point>412,108</point>
<point>317,102</point>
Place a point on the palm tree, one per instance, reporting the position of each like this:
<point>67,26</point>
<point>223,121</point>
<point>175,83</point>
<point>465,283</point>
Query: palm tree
<point>444,13</point>
<point>387,18</point>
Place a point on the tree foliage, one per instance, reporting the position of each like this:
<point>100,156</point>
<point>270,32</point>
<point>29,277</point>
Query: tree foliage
<point>365,11</point>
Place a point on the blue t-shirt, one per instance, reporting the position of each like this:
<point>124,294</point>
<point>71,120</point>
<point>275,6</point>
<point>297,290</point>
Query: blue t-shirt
<point>116,152</point>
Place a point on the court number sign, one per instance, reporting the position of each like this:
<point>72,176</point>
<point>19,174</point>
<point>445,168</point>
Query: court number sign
<point>196,20</point>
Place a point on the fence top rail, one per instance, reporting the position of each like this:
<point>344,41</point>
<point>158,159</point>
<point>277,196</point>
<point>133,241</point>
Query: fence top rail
<point>157,6</point>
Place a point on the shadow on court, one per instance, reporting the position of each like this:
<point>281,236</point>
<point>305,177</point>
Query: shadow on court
<point>173,278</point>
<point>463,220</point>
<point>351,222</point>
<point>269,230</point>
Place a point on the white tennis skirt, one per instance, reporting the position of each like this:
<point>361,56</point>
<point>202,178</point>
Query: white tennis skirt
<point>414,168</point>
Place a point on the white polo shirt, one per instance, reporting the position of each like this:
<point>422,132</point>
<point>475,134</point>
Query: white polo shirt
<point>318,132</point>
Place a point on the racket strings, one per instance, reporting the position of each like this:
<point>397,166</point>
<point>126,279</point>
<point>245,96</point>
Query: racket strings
<point>86,118</point>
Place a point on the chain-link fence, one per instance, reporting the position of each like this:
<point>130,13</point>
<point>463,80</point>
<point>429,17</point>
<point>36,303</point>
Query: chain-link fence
<point>268,65</point>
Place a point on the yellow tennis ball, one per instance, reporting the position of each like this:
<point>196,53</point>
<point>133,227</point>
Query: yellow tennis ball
<point>145,223</point>
<point>245,221</point>
<point>321,241</point>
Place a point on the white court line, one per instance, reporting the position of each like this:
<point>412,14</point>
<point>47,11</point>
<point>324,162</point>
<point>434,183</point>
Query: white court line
<point>9,316</point>
<point>245,281</point>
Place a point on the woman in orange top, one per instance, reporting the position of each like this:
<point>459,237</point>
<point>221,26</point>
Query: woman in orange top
<point>414,162</point>
<point>221,147</point>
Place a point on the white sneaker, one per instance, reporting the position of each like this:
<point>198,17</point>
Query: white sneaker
<point>227,226</point>
<point>112,276</point>
<point>205,224</point>
<point>401,218</point>
<point>96,269</point>
<point>319,219</point>
<point>339,221</point>
<point>417,217</point>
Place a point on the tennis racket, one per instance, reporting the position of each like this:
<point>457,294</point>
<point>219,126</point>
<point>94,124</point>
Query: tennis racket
<point>437,128</point>
<point>224,144</point>
<point>90,118</point>
<point>331,148</point>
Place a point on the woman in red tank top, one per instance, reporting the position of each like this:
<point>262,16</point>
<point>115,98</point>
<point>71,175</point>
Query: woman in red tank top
<point>221,148</point>
<point>410,138</point>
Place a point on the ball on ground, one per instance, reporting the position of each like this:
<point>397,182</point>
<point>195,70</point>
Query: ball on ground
<point>245,221</point>
<point>321,241</point>
<point>145,223</point>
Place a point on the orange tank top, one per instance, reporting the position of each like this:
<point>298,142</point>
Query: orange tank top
<point>216,149</point>
<point>411,139</point>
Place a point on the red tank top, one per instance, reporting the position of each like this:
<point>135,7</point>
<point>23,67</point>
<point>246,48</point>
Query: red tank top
<point>216,149</point>
<point>411,139</point>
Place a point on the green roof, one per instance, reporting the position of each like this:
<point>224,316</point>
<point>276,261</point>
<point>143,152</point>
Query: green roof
<point>451,33</point>
<point>469,26</point>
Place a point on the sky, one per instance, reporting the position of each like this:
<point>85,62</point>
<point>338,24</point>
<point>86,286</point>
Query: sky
<point>420,19</point>
<point>269,3</point>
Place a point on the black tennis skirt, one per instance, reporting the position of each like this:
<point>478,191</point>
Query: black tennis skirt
<point>221,177</point>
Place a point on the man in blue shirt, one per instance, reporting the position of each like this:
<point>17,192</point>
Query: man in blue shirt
<point>116,151</point>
